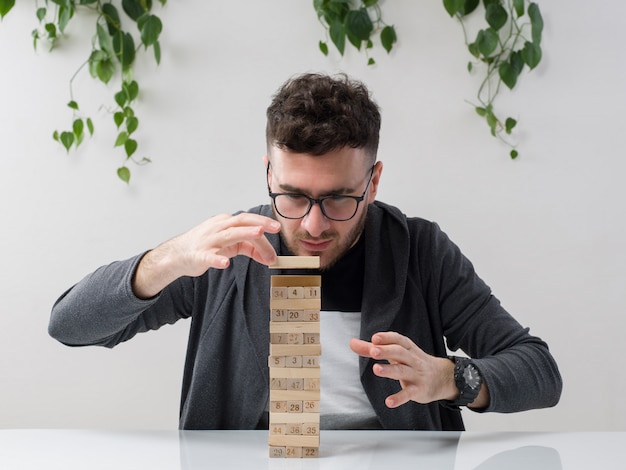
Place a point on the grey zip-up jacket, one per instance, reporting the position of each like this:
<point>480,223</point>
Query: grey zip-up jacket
<point>417,282</point>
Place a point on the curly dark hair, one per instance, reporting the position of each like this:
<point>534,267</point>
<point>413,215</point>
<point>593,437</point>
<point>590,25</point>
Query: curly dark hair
<point>316,113</point>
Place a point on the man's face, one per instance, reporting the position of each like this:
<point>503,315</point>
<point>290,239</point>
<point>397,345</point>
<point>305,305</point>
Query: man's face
<point>343,172</point>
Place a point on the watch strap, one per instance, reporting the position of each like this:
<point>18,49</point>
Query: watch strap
<point>467,394</point>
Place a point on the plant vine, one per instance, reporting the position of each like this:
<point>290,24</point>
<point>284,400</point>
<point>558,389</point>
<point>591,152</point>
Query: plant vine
<point>510,42</point>
<point>114,49</point>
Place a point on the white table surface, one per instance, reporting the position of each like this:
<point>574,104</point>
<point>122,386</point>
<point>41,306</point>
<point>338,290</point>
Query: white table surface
<point>345,450</point>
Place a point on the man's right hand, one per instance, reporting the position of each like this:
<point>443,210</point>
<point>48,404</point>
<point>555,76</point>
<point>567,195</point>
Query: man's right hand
<point>208,245</point>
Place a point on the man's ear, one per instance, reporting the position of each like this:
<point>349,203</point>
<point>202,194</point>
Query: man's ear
<point>371,195</point>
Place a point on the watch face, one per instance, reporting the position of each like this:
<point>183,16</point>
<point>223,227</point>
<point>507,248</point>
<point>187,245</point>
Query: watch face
<point>472,376</point>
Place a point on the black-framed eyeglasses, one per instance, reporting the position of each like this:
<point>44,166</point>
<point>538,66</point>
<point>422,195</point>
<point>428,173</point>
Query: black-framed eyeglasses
<point>334,207</point>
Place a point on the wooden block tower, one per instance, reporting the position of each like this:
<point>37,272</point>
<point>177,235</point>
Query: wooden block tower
<point>295,350</point>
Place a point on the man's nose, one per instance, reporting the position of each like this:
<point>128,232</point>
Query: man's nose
<point>315,222</point>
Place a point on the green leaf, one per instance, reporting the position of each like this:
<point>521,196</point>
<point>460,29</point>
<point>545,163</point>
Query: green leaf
<point>94,59</point>
<point>51,29</point>
<point>41,13</point>
<point>338,35</point>
<point>112,18</point>
<point>131,124</point>
<point>358,24</point>
<point>323,47</point>
<point>150,27</point>
<point>514,154</point>
<point>73,104</point>
<point>130,146</point>
<point>536,21</point>
<point>487,41</point>
<point>453,6</point>
<point>122,137</point>
<point>135,8</point>
<point>509,124</point>
<point>123,173</point>
<point>105,70</point>
<point>65,14</point>
<point>519,7</point>
<point>371,61</point>
<point>55,135</point>
<point>67,139</point>
<point>388,37</point>
<point>482,112</point>
<point>121,98</point>
<point>77,126</point>
<point>131,89</point>
<point>496,16</point>
<point>470,66</point>
<point>473,49</point>
<point>157,52</point>
<point>517,61</point>
<point>531,54</point>
<point>492,122</point>
<point>127,50</point>
<point>90,126</point>
<point>104,40</point>
<point>468,7</point>
<point>508,74</point>
<point>369,3</point>
<point>5,7</point>
<point>118,119</point>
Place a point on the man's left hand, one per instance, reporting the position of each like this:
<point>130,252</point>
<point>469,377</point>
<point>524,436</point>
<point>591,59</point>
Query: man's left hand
<point>424,378</point>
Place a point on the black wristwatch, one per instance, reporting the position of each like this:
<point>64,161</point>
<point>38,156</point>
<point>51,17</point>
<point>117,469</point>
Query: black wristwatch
<point>468,380</point>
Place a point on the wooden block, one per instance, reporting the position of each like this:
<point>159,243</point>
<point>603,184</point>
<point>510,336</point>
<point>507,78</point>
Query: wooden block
<point>279,293</point>
<point>295,384</point>
<point>311,384</point>
<point>310,316</point>
<point>299,327</point>
<point>296,262</point>
<point>291,373</point>
<point>310,361</point>
<point>293,361</point>
<point>278,406</point>
<point>294,406</point>
<point>279,338</point>
<point>278,315</point>
<point>295,440</point>
<point>310,452</point>
<point>312,292</point>
<point>295,338</point>
<point>286,395</point>
<point>310,429</point>
<point>278,383</point>
<point>295,316</point>
<point>295,349</point>
<point>296,304</point>
<point>276,361</point>
<point>294,292</point>
<point>278,428</point>
<point>288,280</point>
<point>291,418</point>
<point>311,338</point>
<point>293,452</point>
<point>278,452</point>
<point>309,406</point>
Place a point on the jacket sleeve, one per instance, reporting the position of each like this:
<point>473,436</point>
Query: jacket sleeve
<point>102,309</point>
<point>517,367</point>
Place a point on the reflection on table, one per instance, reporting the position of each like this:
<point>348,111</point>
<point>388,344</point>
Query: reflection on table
<point>359,450</point>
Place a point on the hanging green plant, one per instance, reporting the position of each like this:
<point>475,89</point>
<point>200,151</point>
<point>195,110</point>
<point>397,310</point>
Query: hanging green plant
<point>357,23</point>
<point>510,43</point>
<point>114,49</point>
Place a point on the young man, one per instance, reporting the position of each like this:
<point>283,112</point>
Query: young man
<point>395,290</point>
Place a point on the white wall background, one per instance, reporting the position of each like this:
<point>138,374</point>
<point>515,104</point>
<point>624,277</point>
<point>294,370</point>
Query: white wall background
<point>546,231</point>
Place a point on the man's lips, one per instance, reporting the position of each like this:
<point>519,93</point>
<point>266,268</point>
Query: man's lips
<point>315,245</point>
